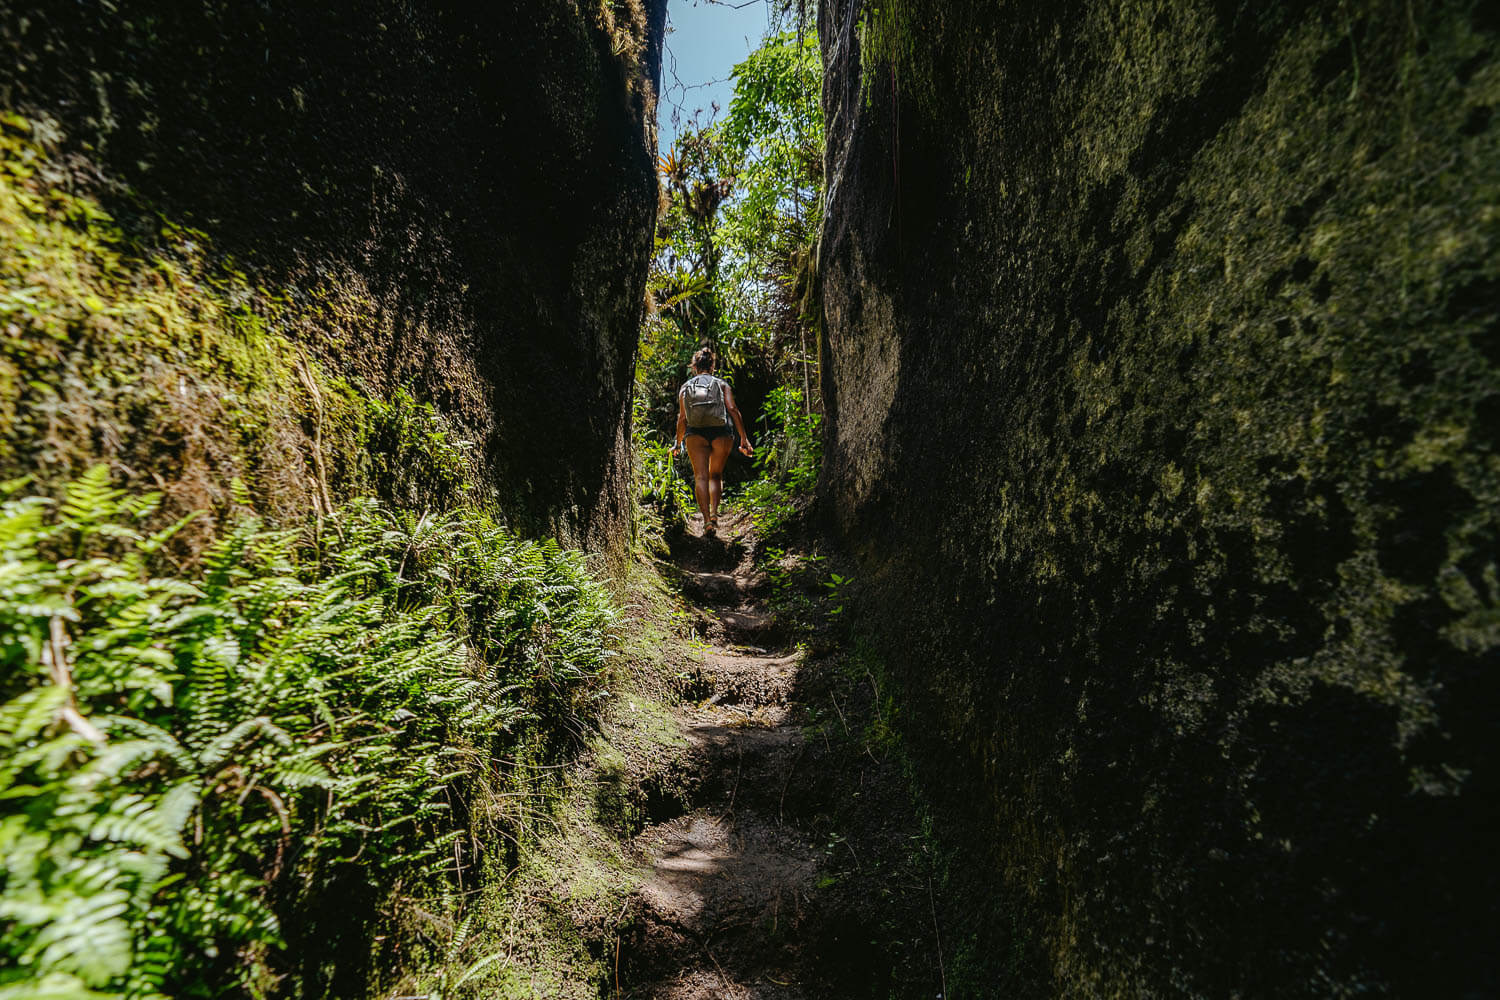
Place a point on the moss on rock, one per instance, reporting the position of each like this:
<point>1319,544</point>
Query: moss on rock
<point>1162,362</point>
<point>182,375</point>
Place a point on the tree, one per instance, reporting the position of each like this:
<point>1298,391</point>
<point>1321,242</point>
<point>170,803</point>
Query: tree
<point>774,133</point>
<point>735,234</point>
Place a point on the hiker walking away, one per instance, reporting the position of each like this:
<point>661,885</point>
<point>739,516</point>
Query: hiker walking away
<point>705,407</point>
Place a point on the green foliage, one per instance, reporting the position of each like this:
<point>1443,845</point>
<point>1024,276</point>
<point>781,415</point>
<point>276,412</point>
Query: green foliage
<point>733,269</point>
<point>834,586</point>
<point>774,132</point>
<point>792,447</point>
<point>698,176</point>
<point>187,759</point>
<point>657,475</point>
<point>734,241</point>
<point>788,460</point>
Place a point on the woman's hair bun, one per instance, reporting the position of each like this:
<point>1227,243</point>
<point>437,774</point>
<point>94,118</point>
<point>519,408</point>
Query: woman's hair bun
<point>704,359</point>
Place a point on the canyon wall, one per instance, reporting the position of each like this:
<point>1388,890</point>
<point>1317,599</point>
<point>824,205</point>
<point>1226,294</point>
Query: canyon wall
<point>393,205</point>
<point>1162,360</point>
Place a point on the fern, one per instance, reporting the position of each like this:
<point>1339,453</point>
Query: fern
<point>89,501</point>
<point>55,986</point>
<point>270,717</point>
<point>217,751</point>
<point>88,936</point>
<point>27,714</point>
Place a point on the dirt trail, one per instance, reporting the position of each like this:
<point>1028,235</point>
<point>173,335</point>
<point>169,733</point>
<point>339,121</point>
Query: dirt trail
<point>732,880</point>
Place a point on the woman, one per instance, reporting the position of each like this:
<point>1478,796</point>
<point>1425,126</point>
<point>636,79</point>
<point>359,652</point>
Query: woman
<point>705,407</point>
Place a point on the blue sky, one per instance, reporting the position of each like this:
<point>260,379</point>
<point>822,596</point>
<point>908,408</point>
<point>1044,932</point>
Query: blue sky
<point>704,41</point>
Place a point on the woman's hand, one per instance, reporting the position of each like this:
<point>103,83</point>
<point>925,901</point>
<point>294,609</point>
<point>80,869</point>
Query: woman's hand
<point>745,448</point>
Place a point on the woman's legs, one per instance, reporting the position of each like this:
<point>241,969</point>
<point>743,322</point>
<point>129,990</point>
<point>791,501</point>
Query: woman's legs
<point>717,459</point>
<point>700,452</point>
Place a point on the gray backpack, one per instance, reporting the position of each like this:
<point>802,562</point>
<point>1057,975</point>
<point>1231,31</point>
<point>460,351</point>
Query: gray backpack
<point>704,399</point>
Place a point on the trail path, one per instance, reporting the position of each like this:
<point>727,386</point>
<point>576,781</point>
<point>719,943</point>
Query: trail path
<point>732,879</point>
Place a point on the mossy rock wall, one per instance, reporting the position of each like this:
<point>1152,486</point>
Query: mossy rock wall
<point>449,201</point>
<point>1163,372</point>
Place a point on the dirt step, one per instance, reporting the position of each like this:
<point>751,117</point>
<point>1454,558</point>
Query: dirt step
<point>703,982</point>
<point>721,914</point>
<point>725,906</point>
<point>717,873</point>
<point>726,737</point>
<point>723,551</point>
<point>735,678</point>
<point>724,587</point>
<point>743,626</point>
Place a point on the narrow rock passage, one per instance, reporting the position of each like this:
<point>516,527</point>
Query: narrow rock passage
<point>731,879</point>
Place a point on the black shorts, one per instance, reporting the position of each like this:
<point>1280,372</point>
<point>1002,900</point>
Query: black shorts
<point>709,434</point>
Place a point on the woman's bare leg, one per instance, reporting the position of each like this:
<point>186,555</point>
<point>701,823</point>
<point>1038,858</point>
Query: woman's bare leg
<point>717,459</point>
<point>701,452</point>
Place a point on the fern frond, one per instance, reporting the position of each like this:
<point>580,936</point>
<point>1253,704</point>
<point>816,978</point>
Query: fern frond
<point>116,759</point>
<point>89,500</point>
<point>87,937</point>
<point>213,756</point>
<point>177,805</point>
<point>158,739</point>
<point>28,713</point>
<point>456,943</point>
<point>133,819</point>
<point>475,968</point>
<point>301,772</point>
<point>152,543</point>
<point>385,673</point>
<point>56,986</point>
<point>240,493</point>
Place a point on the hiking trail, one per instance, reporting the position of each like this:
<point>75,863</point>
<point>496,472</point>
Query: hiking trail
<point>729,880</point>
<point>730,883</point>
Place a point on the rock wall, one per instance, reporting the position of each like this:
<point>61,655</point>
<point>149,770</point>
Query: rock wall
<point>447,199</point>
<point>1161,365</point>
